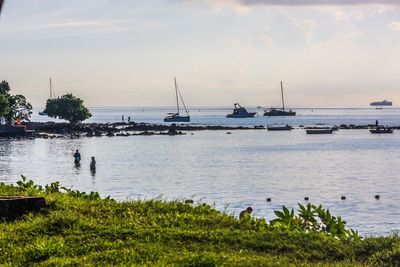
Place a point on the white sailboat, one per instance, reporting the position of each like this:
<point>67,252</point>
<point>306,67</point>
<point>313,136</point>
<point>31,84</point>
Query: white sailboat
<point>176,117</point>
<point>52,95</point>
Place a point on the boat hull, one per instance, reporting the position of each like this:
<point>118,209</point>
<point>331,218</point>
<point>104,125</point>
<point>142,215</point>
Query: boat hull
<point>381,131</point>
<point>177,119</point>
<point>279,128</point>
<point>320,131</point>
<point>276,113</point>
<point>248,115</point>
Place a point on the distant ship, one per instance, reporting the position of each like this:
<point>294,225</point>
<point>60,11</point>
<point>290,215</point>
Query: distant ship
<point>381,103</point>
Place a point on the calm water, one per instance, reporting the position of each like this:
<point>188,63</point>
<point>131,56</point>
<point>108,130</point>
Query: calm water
<point>240,170</point>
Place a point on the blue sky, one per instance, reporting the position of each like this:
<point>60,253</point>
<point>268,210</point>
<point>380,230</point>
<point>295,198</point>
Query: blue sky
<point>126,53</point>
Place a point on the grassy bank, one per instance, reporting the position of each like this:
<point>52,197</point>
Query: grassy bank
<point>82,229</point>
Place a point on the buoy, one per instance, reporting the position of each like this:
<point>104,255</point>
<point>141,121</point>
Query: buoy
<point>269,199</point>
<point>377,197</point>
<point>306,198</point>
<point>343,198</point>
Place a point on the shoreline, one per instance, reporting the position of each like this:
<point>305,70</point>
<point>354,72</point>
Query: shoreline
<point>78,228</point>
<point>46,130</point>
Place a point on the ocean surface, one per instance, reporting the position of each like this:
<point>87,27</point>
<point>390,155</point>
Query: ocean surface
<point>232,171</point>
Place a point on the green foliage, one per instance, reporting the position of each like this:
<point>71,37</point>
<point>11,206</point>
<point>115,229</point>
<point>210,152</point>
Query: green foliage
<point>25,185</point>
<point>67,107</point>
<point>81,229</point>
<point>311,218</point>
<point>5,88</point>
<point>18,106</point>
<point>4,105</point>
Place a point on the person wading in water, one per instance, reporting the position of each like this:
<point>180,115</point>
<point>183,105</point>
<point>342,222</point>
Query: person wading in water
<point>77,157</point>
<point>93,165</point>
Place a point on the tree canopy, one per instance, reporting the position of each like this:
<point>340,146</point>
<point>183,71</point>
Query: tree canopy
<point>17,107</point>
<point>4,105</point>
<point>67,107</point>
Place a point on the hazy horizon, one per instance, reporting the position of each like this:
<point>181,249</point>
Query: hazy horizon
<point>124,53</point>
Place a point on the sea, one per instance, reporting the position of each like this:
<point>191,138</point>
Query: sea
<point>231,171</point>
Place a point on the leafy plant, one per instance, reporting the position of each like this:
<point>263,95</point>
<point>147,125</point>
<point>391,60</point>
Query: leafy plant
<point>311,218</point>
<point>25,185</point>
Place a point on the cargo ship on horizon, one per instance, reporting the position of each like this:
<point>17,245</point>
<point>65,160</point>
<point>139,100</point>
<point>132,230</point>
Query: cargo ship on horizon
<point>381,103</point>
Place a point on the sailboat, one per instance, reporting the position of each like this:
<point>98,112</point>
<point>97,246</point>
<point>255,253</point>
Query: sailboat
<point>176,117</point>
<point>280,112</point>
<point>52,95</point>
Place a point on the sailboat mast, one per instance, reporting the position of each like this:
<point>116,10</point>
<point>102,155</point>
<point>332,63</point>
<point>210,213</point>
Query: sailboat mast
<point>176,93</point>
<point>283,100</point>
<point>51,90</point>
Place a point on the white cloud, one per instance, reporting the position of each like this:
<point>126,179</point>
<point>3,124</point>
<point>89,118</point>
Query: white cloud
<point>77,24</point>
<point>307,26</point>
<point>394,26</point>
<point>316,2</point>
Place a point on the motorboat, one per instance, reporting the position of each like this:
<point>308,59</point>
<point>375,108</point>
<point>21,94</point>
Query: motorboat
<point>240,112</point>
<point>176,117</point>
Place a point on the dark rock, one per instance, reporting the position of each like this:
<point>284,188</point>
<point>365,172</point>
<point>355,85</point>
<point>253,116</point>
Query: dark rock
<point>14,207</point>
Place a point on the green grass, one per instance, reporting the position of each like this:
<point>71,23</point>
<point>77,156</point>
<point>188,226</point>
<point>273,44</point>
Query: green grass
<point>82,229</point>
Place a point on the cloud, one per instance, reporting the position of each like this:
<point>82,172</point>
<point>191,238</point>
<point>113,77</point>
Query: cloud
<point>394,26</point>
<point>76,24</point>
<point>307,27</point>
<point>316,2</point>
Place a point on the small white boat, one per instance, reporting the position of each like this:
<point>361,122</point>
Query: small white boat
<point>176,117</point>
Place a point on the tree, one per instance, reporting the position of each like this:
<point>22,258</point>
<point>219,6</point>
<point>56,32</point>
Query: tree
<point>20,108</point>
<point>5,88</point>
<point>67,107</point>
<point>4,105</point>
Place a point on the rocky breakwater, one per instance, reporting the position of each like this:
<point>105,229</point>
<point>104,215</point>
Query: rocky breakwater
<point>65,130</point>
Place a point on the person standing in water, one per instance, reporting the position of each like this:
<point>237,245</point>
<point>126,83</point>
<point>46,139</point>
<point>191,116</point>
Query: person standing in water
<point>77,157</point>
<point>93,165</point>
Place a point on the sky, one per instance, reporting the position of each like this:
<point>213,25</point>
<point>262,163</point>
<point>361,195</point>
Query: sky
<point>126,53</point>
